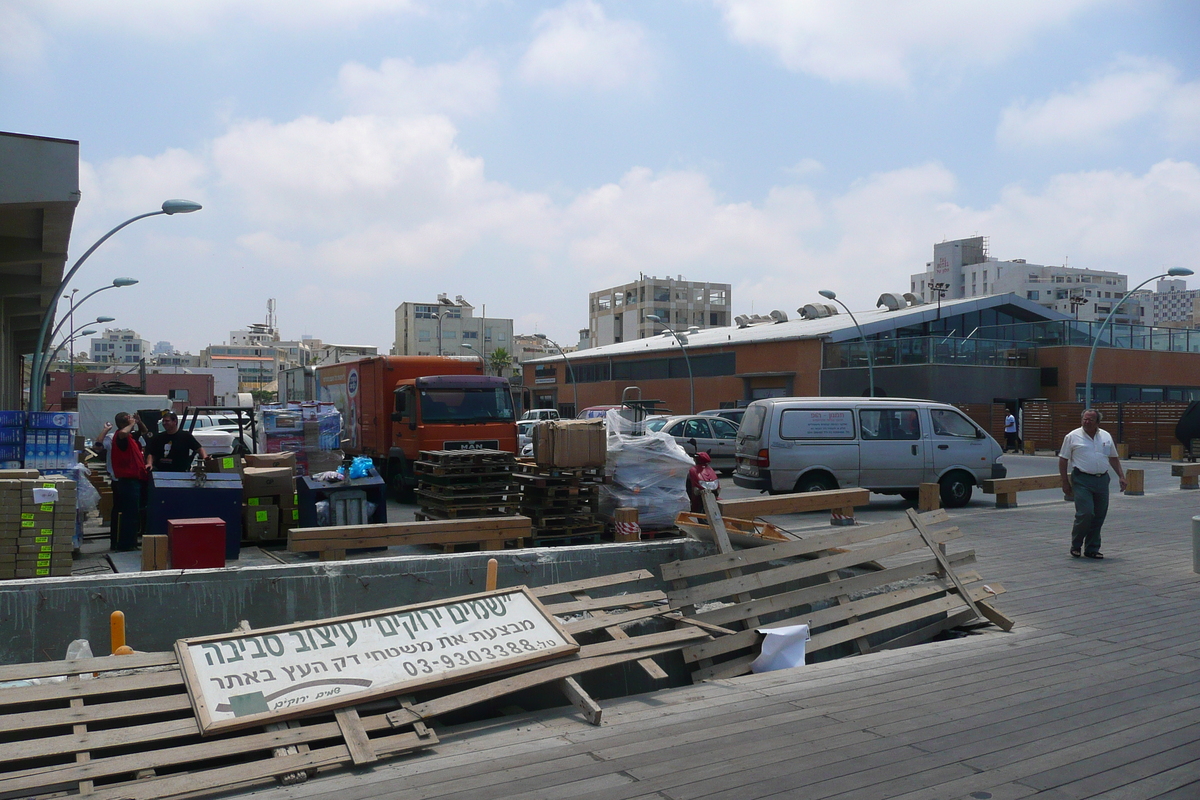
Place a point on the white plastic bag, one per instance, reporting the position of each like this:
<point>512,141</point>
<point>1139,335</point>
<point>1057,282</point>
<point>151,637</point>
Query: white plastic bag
<point>782,648</point>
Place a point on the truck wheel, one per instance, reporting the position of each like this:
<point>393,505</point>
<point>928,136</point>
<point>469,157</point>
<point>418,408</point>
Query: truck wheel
<point>816,482</point>
<point>956,489</point>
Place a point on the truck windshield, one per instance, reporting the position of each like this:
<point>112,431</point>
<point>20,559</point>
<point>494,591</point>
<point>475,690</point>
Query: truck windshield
<point>490,404</point>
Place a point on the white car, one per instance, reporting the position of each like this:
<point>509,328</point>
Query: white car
<point>538,414</point>
<point>696,433</point>
<point>525,433</point>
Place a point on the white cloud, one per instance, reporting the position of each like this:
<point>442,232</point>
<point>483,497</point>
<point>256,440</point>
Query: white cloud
<point>578,46</point>
<point>1093,114</point>
<point>22,41</point>
<point>138,184</point>
<point>399,87</point>
<point>885,43</point>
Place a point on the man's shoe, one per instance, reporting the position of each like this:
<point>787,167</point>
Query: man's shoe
<point>1093,555</point>
<point>1075,554</point>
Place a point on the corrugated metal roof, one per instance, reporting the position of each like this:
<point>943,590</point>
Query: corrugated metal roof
<point>836,328</point>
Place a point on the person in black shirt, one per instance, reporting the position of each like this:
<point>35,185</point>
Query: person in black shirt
<point>173,449</point>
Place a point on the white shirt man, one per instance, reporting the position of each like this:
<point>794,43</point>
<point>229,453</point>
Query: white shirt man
<point>1088,452</point>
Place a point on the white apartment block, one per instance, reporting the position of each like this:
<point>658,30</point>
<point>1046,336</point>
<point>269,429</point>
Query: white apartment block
<point>962,268</point>
<point>119,346</point>
<point>1172,301</point>
<point>443,327</point>
<point>619,314</point>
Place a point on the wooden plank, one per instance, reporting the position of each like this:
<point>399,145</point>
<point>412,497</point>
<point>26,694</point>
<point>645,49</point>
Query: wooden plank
<point>653,670</point>
<point>808,546</point>
<point>100,686</point>
<point>81,756</point>
<point>1023,484</point>
<point>941,557</point>
<point>357,742</point>
<point>50,669</point>
<point>479,694</point>
<point>587,584</point>
<point>794,503</point>
<point>730,587</point>
<point>594,623</point>
<point>32,720</point>
<point>591,710</point>
<point>591,604</point>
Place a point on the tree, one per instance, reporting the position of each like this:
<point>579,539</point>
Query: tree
<point>499,360</point>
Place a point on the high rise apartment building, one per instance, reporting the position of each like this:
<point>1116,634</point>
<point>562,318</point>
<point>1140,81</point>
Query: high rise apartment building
<point>619,314</point>
<point>963,268</point>
<point>119,346</point>
<point>1173,302</point>
<point>443,327</point>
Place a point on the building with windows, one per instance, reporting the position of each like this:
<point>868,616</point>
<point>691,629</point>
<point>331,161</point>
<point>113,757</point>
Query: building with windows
<point>442,328</point>
<point>119,346</point>
<point>998,348</point>
<point>619,314</point>
<point>963,268</point>
<point>257,366</point>
<point>1174,304</point>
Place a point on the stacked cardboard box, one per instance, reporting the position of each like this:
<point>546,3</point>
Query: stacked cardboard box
<point>570,443</point>
<point>269,501</point>
<point>37,523</point>
<point>310,430</point>
<point>12,439</point>
<point>50,440</point>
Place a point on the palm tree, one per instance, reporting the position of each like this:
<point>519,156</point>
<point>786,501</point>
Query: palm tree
<point>499,360</point>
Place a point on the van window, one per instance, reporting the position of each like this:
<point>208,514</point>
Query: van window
<point>818,423</point>
<point>951,423</point>
<point>752,423</point>
<point>889,423</point>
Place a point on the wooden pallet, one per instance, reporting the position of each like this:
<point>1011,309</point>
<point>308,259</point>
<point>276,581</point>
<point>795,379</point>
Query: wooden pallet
<point>533,473</point>
<point>457,458</point>
<point>131,733</point>
<point>931,600</point>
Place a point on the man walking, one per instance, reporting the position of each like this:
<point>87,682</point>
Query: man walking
<point>1010,432</point>
<point>1088,452</point>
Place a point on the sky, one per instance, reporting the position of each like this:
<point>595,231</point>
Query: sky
<point>354,155</point>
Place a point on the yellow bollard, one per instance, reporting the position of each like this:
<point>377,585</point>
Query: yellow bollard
<point>116,629</point>
<point>493,566</point>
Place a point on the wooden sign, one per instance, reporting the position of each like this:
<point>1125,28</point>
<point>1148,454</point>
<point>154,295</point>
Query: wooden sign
<point>242,679</point>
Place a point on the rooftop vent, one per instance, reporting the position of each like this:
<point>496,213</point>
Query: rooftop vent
<point>778,316</point>
<point>913,299</point>
<point>693,329</point>
<point>741,320</point>
<point>813,311</point>
<point>891,300</point>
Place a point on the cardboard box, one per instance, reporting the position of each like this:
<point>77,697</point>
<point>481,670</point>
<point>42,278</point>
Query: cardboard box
<point>260,522</point>
<point>271,460</point>
<point>219,464</point>
<point>570,443</point>
<point>155,553</point>
<point>267,481</point>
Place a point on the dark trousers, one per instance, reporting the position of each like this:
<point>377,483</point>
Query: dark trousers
<point>1010,441</point>
<point>129,496</point>
<point>1091,507</point>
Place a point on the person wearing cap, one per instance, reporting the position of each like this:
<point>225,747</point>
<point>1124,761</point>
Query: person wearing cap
<point>698,475</point>
<point>173,449</point>
<point>1088,453</point>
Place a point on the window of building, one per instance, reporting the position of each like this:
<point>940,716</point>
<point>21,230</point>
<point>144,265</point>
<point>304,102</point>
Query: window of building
<point>605,302</point>
<point>449,334</point>
<point>716,297</point>
<point>423,312</point>
<point>662,294</point>
<point>1033,295</point>
<point>470,334</point>
<point>716,319</point>
<point>422,336</point>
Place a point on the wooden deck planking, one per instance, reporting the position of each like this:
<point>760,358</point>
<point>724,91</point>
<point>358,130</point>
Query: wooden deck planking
<point>1092,695</point>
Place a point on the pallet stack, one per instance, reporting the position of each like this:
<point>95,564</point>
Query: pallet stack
<point>452,484</point>
<point>36,528</point>
<point>562,502</point>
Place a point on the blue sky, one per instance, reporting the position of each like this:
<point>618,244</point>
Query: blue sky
<point>354,155</point>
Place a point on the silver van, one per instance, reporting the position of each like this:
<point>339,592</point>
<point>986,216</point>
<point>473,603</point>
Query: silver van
<point>889,445</point>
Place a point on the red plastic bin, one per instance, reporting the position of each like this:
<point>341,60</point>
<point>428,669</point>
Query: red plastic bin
<point>196,543</point>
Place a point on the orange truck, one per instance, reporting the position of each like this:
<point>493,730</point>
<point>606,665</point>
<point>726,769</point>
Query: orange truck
<point>393,407</point>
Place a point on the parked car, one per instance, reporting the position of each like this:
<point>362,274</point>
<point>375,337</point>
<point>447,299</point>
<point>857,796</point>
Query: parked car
<point>734,415</point>
<point>696,433</point>
<point>888,445</point>
<point>525,433</point>
<point>591,412</point>
<point>540,413</point>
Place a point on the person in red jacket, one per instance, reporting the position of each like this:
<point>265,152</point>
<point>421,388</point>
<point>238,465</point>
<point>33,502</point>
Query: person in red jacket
<point>131,484</point>
<point>698,475</point>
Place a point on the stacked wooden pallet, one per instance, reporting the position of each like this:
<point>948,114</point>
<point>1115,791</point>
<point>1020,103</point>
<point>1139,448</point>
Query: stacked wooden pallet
<point>452,484</point>
<point>562,503</point>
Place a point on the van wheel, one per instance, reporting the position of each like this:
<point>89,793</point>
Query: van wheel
<point>816,482</point>
<point>956,489</point>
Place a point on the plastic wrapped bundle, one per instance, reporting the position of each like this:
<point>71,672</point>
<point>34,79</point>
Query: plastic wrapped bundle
<point>649,472</point>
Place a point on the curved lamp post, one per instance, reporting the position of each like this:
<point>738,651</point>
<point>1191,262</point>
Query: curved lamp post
<point>1173,272</point>
<point>76,334</point>
<point>117,283</point>
<point>570,369</point>
<point>169,207</point>
<point>40,378</point>
<point>870,358</point>
<point>482,363</point>
<point>688,361</point>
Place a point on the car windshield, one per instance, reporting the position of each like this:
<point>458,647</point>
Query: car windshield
<point>656,425</point>
<point>466,405</point>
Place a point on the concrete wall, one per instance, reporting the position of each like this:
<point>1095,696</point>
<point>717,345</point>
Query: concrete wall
<point>944,383</point>
<point>39,618</point>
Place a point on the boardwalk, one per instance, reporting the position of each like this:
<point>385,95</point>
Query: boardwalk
<point>1095,694</point>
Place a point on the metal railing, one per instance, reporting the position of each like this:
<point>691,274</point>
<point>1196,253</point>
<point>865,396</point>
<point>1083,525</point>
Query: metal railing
<point>932,350</point>
<point>1123,335</point>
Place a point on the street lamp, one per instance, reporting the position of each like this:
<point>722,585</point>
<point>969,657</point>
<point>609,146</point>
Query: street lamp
<point>75,334</point>
<point>870,359</point>
<point>169,207</point>
<point>482,363</point>
<point>438,316</point>
<point>40,378</point>
<point>570,369</point>
<point>940,290</point>
<point>1077,301</point>
<point>688,361</point>
<point>1173,272</point>
<point>70,318</point>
